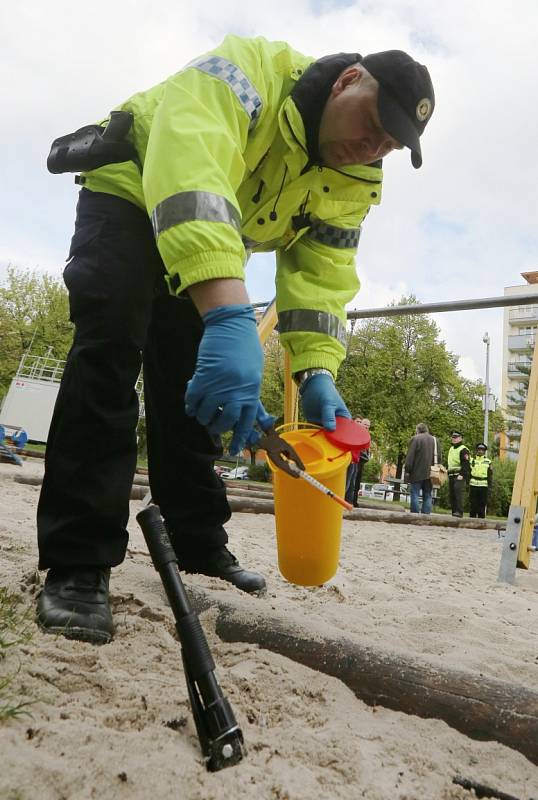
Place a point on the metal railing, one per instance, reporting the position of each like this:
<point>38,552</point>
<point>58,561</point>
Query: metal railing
<point>40,368</point>
<point>524,313</point>
<point>515,368</point>
<point>521,342</point>
<point>515,399</point>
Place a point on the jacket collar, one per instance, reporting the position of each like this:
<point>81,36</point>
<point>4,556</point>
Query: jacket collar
<point>294,134</point>
<point>312,91</point>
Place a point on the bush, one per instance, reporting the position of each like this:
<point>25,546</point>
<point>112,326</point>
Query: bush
<point>371,471</point>
<point>501,492</point>
<point>504,473</point>
<point>259,472</point>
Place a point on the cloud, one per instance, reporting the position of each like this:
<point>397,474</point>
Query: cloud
<point>462,226</point>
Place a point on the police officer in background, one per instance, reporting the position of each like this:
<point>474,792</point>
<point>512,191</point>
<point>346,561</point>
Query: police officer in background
<point>458,472</point>
<point>481,481</point>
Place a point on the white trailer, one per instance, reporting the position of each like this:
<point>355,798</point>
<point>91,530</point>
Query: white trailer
<point>30,400</point>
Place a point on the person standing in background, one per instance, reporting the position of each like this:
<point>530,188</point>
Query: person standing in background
<point>458,473</point>
<point>481,481</point>
<point>354,476</point>
<point>418,464</point>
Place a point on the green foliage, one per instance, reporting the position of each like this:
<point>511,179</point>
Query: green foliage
<point>14,630</point>
<point>371,471</point>
<point>503,482</point>
<point>259,472</point>
<point>34,309</point>
<point>142,441</point>
<point>272,392</point>
<point>397,373</point>
<point>501,493</point>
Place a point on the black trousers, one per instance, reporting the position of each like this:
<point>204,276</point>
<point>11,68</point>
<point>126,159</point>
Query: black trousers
<point>456,490</point>
<point>358,481</point>
<point>478,499</point>
<point>123,315</point>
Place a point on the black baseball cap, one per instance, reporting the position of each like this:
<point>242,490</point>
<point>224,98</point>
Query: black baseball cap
<point>406,99</point>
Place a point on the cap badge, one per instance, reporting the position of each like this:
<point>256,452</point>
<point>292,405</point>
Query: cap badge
<point>424,109</point>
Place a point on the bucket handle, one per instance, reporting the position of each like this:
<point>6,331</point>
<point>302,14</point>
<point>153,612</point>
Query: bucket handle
<point>307,426</point>
<point>293,426</point>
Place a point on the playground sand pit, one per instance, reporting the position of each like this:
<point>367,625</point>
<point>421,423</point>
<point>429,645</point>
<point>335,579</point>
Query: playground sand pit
<point>114,721</point>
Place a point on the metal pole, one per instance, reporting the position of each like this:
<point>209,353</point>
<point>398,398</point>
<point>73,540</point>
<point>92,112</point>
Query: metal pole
<point>452,305</point>
<point>435,308</point>
<point>486,341</point>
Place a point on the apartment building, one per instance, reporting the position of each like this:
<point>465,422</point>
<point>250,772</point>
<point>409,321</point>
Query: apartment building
<point>519,334</point>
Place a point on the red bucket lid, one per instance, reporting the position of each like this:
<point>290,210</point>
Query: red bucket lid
<point>349,435</point>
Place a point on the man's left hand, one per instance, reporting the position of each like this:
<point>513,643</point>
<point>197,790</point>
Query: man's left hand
<point>321,401</point>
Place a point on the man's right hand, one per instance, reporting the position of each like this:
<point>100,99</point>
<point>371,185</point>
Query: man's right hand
<point>224,391</point>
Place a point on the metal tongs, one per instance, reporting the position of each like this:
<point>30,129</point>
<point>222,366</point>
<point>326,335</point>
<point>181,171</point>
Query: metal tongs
<point>286,458</point>
<point>281,453</point>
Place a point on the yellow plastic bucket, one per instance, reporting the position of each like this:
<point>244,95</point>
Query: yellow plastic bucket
<point>308,523</point>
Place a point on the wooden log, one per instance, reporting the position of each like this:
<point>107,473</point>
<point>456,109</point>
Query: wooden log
<point>481,708</point>
<point>253,502</point>
<point>32,480</point>
<point>432,520</point>
<point>261,495</point>
<point>250,505</point>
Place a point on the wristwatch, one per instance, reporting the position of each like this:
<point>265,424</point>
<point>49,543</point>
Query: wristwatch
<point>301,377</point>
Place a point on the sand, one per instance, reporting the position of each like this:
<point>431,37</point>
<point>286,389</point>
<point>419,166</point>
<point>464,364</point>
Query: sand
<point>114,721</point>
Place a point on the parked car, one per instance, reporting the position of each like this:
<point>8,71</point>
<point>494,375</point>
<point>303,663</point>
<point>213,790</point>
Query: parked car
<point>383,491</point>
<point>236,474</point>
<point>378,491</point>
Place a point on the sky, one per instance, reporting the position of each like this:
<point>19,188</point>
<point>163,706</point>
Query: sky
<point>462,226</point>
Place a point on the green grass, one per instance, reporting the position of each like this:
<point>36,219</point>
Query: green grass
<point>15,629</point>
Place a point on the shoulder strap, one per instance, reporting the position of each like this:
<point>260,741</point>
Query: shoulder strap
<point>434,450</point>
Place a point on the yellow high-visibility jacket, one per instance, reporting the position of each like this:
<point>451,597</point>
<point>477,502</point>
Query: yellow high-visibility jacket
<point>481,471</point>
<point>222,148</point>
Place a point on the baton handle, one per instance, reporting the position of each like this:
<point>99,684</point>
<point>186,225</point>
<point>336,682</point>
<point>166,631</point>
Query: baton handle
<point>219,734</point>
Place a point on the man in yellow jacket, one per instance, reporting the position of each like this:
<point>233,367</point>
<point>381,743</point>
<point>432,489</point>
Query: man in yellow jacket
<point>251,147</point>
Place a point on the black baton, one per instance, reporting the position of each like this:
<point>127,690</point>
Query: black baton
<point>220,737</point>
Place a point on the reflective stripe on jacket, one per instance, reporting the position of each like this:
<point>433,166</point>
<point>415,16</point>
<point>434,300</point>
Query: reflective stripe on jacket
<point>454,459</point>
<point>480,467</point>
<point>223,149</point>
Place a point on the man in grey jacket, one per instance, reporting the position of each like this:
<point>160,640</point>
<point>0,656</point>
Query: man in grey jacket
<point>418,463</point>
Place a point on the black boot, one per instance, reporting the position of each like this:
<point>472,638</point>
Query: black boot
<point>218,562</point>
<point>74,603</point>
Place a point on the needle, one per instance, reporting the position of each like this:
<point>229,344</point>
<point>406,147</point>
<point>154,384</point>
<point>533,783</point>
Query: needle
<point>319,486</point>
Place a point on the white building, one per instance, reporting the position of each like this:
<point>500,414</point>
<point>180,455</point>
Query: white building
<point>519,334</point>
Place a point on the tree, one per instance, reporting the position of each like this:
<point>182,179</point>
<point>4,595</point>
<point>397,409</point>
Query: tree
<point>34,308</point>
<point>397,373</point>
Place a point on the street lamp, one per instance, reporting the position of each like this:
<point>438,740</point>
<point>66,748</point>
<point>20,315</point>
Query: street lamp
<point>486,341</point>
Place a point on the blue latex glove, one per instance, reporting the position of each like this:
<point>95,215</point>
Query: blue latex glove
<point>321,401</point>
<point>264,420</point>
<point>224,391</point>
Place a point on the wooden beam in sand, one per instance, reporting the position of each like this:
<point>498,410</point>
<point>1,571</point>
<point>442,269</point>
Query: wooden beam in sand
<point>254,502</point>
<point>481,708</point>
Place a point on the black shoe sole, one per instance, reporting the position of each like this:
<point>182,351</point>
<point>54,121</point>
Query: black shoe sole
<point>79,634</point>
